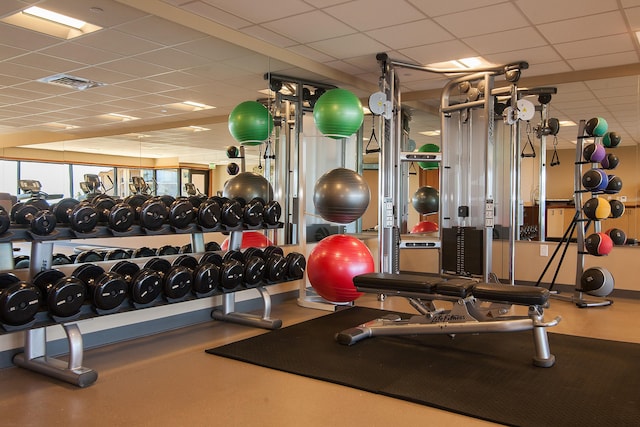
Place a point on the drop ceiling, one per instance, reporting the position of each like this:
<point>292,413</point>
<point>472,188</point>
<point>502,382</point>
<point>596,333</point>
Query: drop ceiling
<point>152,55</point>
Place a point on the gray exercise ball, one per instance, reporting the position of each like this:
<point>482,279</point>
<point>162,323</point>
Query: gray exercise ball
<point>247,186</point>
<point>341,195</point>
<point>426,200</point>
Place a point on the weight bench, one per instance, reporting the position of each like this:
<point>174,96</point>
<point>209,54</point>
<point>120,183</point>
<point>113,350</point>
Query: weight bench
<point>476,307</point>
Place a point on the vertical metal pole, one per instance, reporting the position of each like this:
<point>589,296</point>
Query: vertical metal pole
<point>542,179</point>
<point>489,198</point>
<point>577,198</point>
<point>515,172</point>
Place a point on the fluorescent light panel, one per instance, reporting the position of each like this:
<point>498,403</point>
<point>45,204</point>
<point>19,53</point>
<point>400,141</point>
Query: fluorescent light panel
<point>54,17</point>
<point>51,23</point>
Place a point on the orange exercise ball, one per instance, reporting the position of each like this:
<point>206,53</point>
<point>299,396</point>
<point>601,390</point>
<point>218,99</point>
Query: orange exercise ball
<point>424,227</point>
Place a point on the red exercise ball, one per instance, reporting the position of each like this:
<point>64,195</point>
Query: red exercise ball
<point>250,239</point>
<point>598,244</point>
<point>424,227</point>
<point>334,262</point>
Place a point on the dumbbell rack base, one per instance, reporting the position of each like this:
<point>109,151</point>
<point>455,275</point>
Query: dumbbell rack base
<point>35,357</point>
<point>229,314</point>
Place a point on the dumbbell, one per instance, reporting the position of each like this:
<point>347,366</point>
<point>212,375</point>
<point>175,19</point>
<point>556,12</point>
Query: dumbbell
<point>252,211</point>
<point>182,213</point>
<point>209,213</point>
<point>254,266</point>
<point>167,250</point>
<point>89,256</point>
<point>230,211</point>
<point>176,279</point>
<point>82,217</point>
<point>106,290</point>
<point>40,222</point>
<point>21,261</point>
<point>60,259</point>
<point>62,295</point>
<point>151,213</point>
<point>295,266</point>
<point>144,284</point>
<point>276,264</point>
<point>119,216</point>
<point>117,253</point>
<point>19,300</point>
<point>5,220</point>
<point>231,270</point>
<point>272,213</point>
<point>143,252</point>
<point>206,275</point>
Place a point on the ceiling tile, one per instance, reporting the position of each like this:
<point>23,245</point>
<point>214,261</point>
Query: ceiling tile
<point>7,52</point>
<point>410,34</point>
<point>387,13</point>
<point>439,52</point>
<point>172,58</point>
<point>595,47</point>
<point>262,33</point>
<point>213,49</point>
<point>102,75</point>
<point>348,46</point>
<point>134,67</point>
<point>437,8</point>
<point>583,28</point>
<point>47,63</point>
<point>505,41</point>
<point>539,55</point>
<point>474,22</point>
<point>261,11</point>
<point>309,27</point>
<point>25,39</point>
<point>80,53</point>
<point>159,30</point>
<point>633,15</point>
<point>216,15</point>
<point>604,60</point>
<point>310,53</point>
<point>117,42</point>
<point>547,68</point>
<point>541,11</point>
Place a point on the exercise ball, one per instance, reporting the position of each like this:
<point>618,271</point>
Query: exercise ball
<point>596,126</point>
<point>250,123</point>
<point>334,262</point>
<point>598,244</point>
<point>341,195</point>
<point>618,236</point>
<point>424,227</point>
<point>597,208</point>
<point>338,113</point>
<point>233,168</point>
<point>611,139</point>
<point>428,148</point>
<point>596,281</point>
<point>426,200</point>
<point>614,184</point>
<point>247,186</point>
<point>610,161</point>
<point>250,239</point>
<point>617,208</point>
<point>594,179</point>
<point>593,153</point>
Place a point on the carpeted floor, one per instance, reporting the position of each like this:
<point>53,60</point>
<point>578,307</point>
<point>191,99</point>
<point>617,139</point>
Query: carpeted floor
<point>487,376</point>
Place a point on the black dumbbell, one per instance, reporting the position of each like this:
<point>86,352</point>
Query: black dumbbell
<point>295,266</point>
<point>231,269</point>
<point>272,213</point>
<point>176,279</point>
<point>19,300</point>
<point>144,284</point>
<point>186,260</point>
<point>5,220</point>
<point>252,211</point>
<point>82,217</point>
<point>181,213</point>
<point>276,264</point>
<point>117,253</point>
<point>212,247</point>
<point>62,295</point>
<point>206,275</point>
<point>167,199</point>
<point>167,250</point>
<point>153,214</point>
<point>209,213</point>
<point>196,201</point>
<point>185,249</point>
<point>135,201</point>
<point>143,252</point>
<point>119,216</point>
<point>60,259</point>
<point>230,211</point>
<point>40,222</point>
<point>89,256</point>
<point>107,290</point>
<point>254,266</point>
<point>21,261</point>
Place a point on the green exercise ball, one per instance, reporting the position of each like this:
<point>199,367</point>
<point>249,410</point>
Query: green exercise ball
<point>596,126</point>
<point>250,123</point>
<point>338,113</point>
<point>428,148</point>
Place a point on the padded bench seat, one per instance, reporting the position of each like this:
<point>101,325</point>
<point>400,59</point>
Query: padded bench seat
<point>460,288</point>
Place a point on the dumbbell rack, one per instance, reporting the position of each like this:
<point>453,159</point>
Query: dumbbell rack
<point>35,356</point>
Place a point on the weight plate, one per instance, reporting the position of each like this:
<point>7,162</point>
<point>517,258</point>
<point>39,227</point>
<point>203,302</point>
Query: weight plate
<point>153,214</point>
<point>209,214</point>
<point>185,249</point>
<point>108,291</point>
<point>231,274</point>
<point>143,252</point>
<point>41,204</point>
<point>60,259</point>
<point>7,279</point>
<point>252,214</point>
<point>116,254</point>
<point>23,213</point>
<point>126,269</point>
<point>167,200</point>
<point>14,209</point>
<point>63,208</point>
<point>87,272</point>
<point>195,201</point>
<point>167,250</point>
<point>212,246</point>
<point>146,286</point>
<point>83,218</point>
<point>135,200</point>
<point>237,255</point>
<point>269,250</point>
<point>254,269</point>
<point>231,213</point>
<point>46,278</point>
<point>211,257</point>
<point>272,213</point>
<point>276,268</point>
<point>206,278</point>
<point>43,223</point>
<point>177,282</point>
<point>181,214</point>
<point>158,264</point>
<point>89,256</point>
<point>103,207</point>
<point>296,264</point>
<point>251,252</point>
<point>5,221</point>
<point>121,217</point>
<point>66,296</point>
<point>21,261</point>
<point>19,303</point>
<point>186,261</point>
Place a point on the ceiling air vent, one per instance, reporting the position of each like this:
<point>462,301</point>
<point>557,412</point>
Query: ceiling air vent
<point>77,83</point>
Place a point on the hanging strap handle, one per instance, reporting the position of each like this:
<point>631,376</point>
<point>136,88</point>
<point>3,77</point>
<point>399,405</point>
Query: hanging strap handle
<point>372,138</point>
<point>529,144</point>
<point>555,160</point>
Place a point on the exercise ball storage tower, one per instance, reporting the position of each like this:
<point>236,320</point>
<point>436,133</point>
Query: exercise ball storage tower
<point>467,187</point>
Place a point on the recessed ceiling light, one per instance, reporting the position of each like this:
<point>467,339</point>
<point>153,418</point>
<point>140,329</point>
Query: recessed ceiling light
<point>198,105</point>
<point>52,23</point>
<point>430,133</point>
<point>461,64</point>
<point>123,117</point>
<point>567,123</point>
<point>198,128</point>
